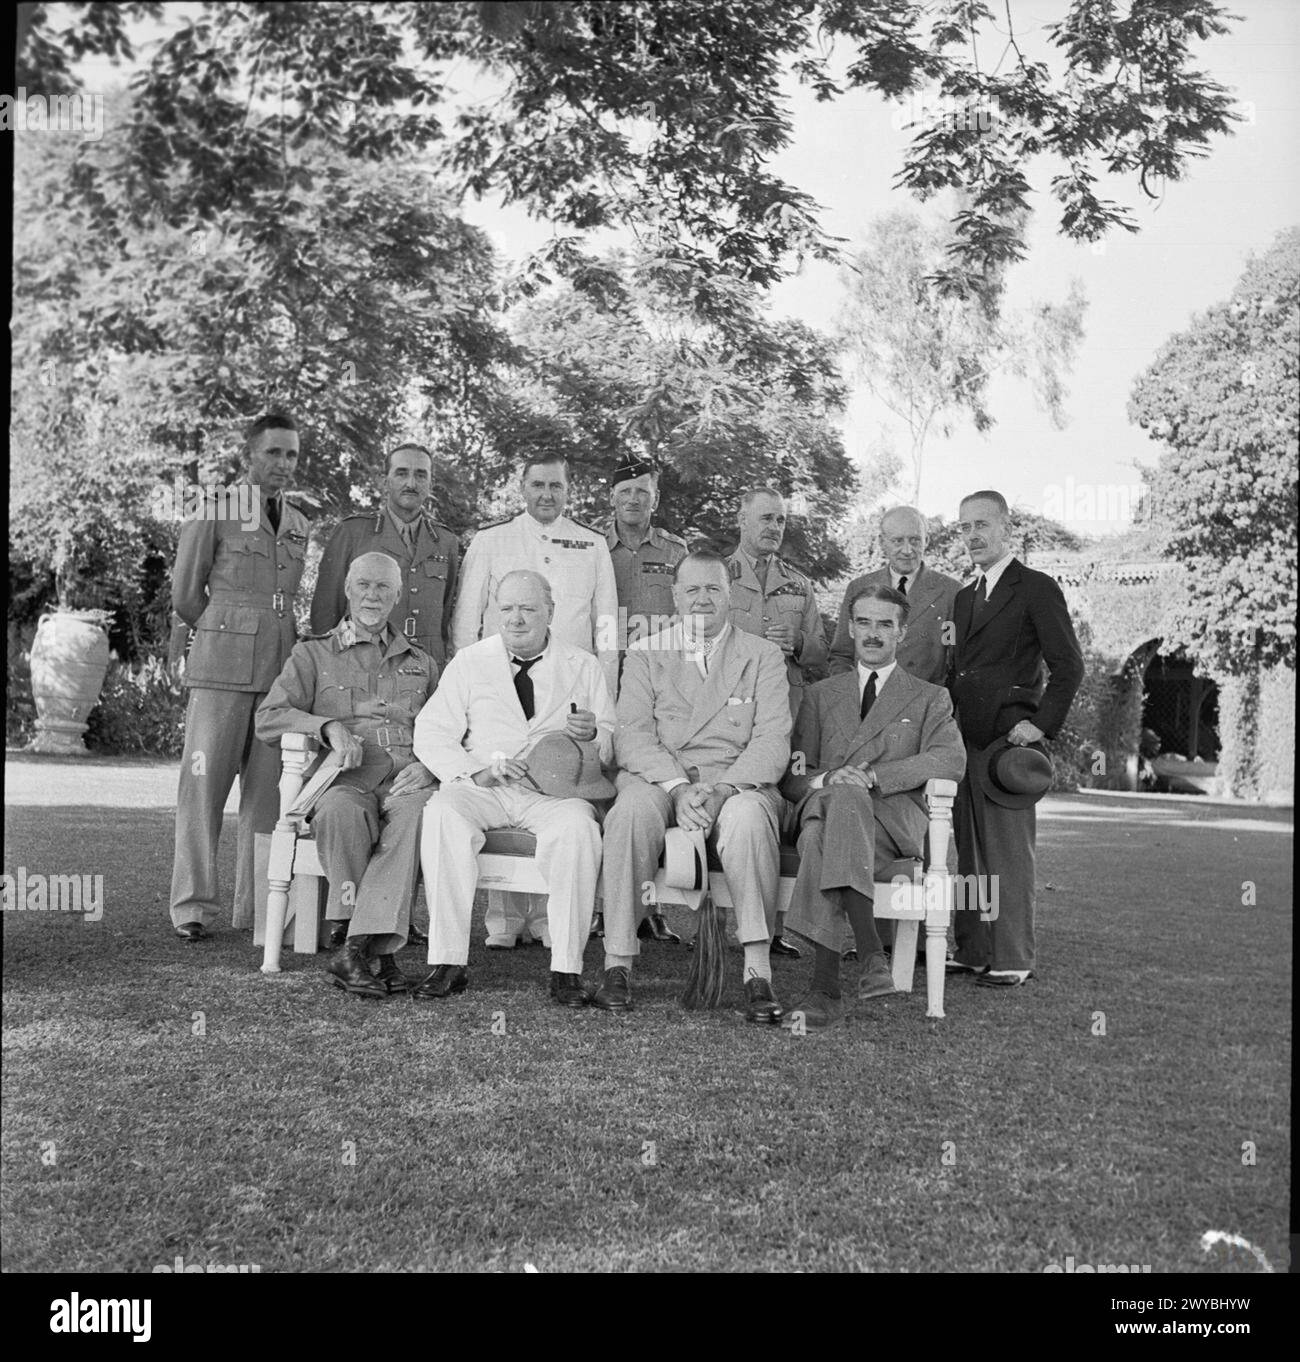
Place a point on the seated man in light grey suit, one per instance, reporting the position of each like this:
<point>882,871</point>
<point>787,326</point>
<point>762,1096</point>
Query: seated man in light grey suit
<point>703,736</point>
<point>864,745</point>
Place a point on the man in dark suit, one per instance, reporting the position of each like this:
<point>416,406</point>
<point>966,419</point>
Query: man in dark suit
<point>930,596</point>
<point>1009,622</point>
<point>864,745</point>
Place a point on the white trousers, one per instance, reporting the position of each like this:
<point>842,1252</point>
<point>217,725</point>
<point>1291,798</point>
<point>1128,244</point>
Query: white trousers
<point>456,822</point>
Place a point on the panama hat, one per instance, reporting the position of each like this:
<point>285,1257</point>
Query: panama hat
<point>1014,777</point>
<point>561,766</point>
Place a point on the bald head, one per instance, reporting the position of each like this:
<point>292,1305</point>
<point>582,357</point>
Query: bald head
<point>524,609</point>
<point>902,539</point>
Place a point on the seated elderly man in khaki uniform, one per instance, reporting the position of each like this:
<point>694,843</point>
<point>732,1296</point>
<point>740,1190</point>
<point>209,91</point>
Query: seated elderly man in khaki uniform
<point>358,689</point>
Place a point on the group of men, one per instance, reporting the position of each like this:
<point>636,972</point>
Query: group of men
<point>598,689</point>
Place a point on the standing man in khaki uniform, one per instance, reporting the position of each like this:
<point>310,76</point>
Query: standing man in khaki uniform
<point>574,560</point>
<point>770,599</point>
<point>644,557</point>
<point>359,689</point>
<point>427,552</point>
<point>234,585</point>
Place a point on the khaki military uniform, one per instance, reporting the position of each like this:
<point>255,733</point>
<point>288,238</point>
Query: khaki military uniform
<point>644,579</point>
<point>786,598</point>
<point>374,686</point>
<point>423,610</point>
<point>235,588</point>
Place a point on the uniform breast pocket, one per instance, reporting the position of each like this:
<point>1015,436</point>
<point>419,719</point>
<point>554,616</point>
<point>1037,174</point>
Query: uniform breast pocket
<point>224,646</point>
<point>435,568</point>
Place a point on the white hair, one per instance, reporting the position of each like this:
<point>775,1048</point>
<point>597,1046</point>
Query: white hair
<point>370,562</point>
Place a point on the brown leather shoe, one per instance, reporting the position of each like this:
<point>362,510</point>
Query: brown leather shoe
<point>877,979</point>
<point>390,976</point>
<point>350,968</point>
<point>655,928</point>
<point>614,993</point>
<point>568,990</point>
<point>442,981</point>
<point>760,1002</point>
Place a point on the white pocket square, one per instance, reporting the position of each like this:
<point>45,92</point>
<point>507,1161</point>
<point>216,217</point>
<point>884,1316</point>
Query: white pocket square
<point>740,699</point>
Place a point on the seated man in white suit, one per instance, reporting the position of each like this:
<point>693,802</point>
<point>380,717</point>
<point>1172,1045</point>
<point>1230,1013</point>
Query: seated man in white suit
<point>496,698</point>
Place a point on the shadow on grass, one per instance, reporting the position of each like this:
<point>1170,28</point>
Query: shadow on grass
<point>164,1099</point>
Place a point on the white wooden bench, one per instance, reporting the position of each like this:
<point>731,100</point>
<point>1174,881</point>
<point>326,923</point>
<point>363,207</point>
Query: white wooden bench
<point>907,892</point>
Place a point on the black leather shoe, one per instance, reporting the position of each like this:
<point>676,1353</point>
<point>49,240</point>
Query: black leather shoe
<point>350,968</point>
<point>442,981</point>
<point>597,926</point>
<point>655,928</point>
<point>390,976</point>
<point>614,993</point>
<point>193,931</point>
<point>780,946</point>
<point>338,934</point>
<point>568,990</point>
<point>1005,978</point>
<point>760,1002</point>
<point>415,937</point>
<point>850,953</point>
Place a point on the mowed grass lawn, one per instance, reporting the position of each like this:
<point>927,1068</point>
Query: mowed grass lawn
<point>304,1130</point>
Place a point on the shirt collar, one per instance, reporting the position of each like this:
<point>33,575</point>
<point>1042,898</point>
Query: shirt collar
<point>714,643</point>
<point>397,524</point>
<point>882,675</point>
<point>896,577</point>
<point>992,574</point>
<point>350,633</point>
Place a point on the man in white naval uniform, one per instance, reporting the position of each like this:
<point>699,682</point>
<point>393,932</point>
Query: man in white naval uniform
<point>575,560</point>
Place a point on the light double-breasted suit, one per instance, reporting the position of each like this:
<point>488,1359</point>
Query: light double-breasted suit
<point>845,831</point>
<point>473,717</point>
<point>996,681</point>
<point>924,651</point>
<point>675,724</point>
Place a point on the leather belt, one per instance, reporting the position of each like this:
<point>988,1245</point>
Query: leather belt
<point>261,600</point>
<point>384,736</point>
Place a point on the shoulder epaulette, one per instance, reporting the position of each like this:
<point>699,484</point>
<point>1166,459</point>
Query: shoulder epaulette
<point>734,566</point>
<point>669,535</point>
<point>795,575</point>
<point>493,524</point>
<point>591,529</point>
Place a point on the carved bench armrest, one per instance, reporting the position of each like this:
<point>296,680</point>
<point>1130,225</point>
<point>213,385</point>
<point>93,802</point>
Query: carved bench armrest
<point>939,798</point>
<point>297,751</point>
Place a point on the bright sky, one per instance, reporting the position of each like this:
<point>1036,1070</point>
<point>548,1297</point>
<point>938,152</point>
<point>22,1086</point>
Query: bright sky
<point>1141,289</point>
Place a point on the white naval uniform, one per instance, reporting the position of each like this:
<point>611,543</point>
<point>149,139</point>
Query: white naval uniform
<point>473,716</point>
<point>575,561</point>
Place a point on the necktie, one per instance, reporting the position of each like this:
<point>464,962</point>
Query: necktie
<point>762,565</point>
<point>868,697</point>
<point>524,683</point>
<point>408,534</point>
<point>902,585</point>
<point>981,592</point>
<point>273,513</point>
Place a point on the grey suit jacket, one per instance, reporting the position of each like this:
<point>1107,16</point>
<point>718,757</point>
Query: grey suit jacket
<point>923,652</point>
<point>909,737</point>
<point>732,726</point>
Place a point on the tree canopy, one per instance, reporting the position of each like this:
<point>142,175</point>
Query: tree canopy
<point>226,103</point>
<point>1223,399</point>
<point>927,357</point>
